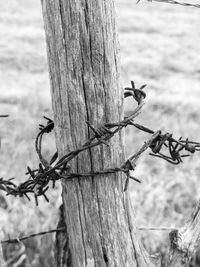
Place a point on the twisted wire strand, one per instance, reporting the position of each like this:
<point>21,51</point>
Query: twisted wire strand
<point>174,2</point>
<point>177,3</point>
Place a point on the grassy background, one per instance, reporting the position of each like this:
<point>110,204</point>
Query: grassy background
<point>160,48</point>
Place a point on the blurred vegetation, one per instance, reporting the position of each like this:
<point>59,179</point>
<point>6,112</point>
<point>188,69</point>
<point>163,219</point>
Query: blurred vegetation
<point>159,47</point>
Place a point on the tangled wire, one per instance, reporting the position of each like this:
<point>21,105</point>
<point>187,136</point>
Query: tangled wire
<point>163,146</point>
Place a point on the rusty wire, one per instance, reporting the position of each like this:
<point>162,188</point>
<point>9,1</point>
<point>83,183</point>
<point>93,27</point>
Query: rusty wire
<point>163,146</point>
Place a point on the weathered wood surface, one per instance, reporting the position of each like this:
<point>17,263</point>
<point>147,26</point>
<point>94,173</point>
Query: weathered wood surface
<point>82,48</point>
<point>185,242</point>
<point>2,263</point>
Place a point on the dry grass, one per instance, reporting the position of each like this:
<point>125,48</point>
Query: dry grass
<point>159,47</point>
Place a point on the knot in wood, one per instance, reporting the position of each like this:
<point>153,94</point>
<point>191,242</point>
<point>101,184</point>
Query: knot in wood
<point>173,237</point>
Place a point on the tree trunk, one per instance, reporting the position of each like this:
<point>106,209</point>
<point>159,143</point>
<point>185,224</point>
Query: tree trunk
<point>82,50</point>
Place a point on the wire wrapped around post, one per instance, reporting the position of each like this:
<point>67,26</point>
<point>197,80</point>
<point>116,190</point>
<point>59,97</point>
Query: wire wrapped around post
<point>163,146</point>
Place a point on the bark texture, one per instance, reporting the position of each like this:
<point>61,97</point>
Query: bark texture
<point>82,50</point>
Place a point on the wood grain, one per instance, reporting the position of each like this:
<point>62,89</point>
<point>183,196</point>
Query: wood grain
<point>83,50</point>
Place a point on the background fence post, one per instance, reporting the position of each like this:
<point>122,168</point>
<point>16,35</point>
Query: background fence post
<point>1,258</point>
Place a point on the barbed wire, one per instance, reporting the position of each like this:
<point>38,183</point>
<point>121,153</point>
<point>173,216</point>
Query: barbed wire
<point>19,239</point>
<point>38,181</point>
<point>174,2</point>
<point>163,146</point>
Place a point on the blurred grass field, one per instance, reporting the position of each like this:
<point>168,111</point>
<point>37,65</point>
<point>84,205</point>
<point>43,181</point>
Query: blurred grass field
<point>160,48</point>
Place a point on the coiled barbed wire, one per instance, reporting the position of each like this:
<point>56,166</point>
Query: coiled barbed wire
<point>163,146</point>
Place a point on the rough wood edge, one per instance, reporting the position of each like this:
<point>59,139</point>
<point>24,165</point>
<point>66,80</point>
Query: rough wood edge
<point>185,242</point>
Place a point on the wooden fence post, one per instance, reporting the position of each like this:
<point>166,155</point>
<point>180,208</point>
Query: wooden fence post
<point>82,49</point>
